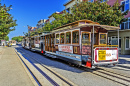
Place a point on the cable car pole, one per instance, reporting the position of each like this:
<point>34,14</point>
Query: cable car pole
<point>93,46</point>
<point>118,40</point>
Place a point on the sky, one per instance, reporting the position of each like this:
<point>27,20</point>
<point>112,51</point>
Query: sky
<point>29,12</point>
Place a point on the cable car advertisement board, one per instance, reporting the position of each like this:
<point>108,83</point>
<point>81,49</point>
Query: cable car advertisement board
<point>105,55</point>
<point>65,48</point>
<point>86,49</point>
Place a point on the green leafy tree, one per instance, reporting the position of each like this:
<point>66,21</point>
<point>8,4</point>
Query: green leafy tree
<point>6,21</point>
<point>18,38</point>
<point>7,38</point>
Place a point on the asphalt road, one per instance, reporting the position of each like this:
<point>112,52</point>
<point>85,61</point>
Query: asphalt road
<point>74,74</point>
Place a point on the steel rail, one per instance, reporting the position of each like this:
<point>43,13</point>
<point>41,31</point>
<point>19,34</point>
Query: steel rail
<point>50,70</point>
<point>107,74</point>
<point>43,73</point>
<point>29,70</point>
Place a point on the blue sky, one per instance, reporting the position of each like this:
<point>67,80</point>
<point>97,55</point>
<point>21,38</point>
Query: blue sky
<point>29,12</point>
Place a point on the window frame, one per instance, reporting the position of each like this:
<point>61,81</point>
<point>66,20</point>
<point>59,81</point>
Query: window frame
<point>56,38</point>
<point>88,33</point>
<point>124,6</point>
<point>106,38</point>
<point>125,44</point>
<point>72,37</point>
<point>60,38</point>
<point>125,23</point>
<point>112,37</point>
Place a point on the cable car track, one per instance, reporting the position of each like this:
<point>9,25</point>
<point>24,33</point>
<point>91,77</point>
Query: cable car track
<point>69,83</point>
<point>115,77</point>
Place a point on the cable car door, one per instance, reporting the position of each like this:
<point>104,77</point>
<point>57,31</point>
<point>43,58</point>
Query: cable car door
<point>86,46</point>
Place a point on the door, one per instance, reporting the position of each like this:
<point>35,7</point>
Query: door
<point>86,46</point>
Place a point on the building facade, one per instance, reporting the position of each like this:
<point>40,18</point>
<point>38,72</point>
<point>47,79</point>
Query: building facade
<point>41,23</point>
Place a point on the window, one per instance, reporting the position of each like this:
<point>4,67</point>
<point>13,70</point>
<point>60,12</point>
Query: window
<point>114,41</point>
<point>122,26</point>
<point>123,7</point>
<point>52,39</point>
<point>68,37</point>
<point>102,38</point>
<point>125,25</point>
<point>48,40</point>
<point>75,35</point>
<point>62,38</point>
<point>85,38</point>
<point>127,43</point>
<point>126,6</point>
<point>57,38</point>
<point>68,10</point>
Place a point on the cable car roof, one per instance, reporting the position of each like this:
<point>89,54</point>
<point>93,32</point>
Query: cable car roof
<point>101,26</point>
<point>84,23</point>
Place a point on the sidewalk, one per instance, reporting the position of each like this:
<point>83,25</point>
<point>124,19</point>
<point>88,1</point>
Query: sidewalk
<point>12,73</point>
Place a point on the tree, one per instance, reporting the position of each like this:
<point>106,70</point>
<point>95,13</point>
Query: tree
<point>17,38</point>
<point>7,38</point>
<point>6,21</point>
<point>102,13</point>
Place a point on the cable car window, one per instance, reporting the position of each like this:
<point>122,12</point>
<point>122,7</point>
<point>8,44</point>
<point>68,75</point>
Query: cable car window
<point>75,36</point>
<point>68,37</point>
<point>57,38</point>
<point>62,38</point>
<point>52,39</point>
<point>103,38</point>
<point>48,40</point>
<point>85,38</point>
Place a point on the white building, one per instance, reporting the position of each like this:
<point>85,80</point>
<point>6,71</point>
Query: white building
<point>41,23</point>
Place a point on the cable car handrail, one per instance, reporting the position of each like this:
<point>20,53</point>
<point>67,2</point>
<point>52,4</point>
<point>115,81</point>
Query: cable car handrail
<point>105,45</point>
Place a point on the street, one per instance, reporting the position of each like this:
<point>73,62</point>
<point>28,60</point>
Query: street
<point>77,75</point>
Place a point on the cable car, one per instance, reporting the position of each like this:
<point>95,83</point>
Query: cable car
<point>83,42</point>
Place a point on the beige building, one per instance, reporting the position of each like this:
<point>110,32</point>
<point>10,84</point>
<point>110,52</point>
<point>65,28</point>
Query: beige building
<point>70,4</point>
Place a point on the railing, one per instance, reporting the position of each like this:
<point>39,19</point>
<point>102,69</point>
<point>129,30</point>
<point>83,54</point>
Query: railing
<point>105,45</point>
